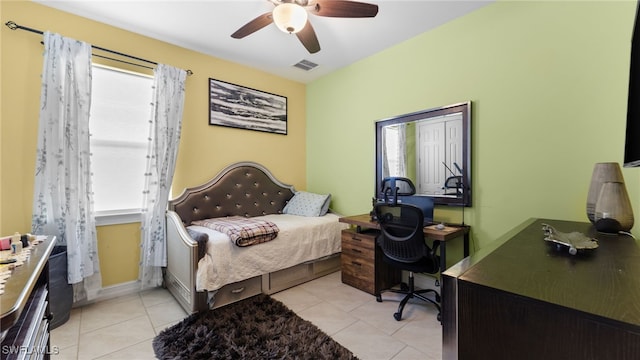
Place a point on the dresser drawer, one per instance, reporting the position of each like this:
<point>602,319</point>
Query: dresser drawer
<point>364,240</point>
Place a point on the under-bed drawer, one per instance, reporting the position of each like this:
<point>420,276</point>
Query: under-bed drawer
<point>298,274</point>
<point>327,265</point>
<point>286,278</point>
<point>238,291</point>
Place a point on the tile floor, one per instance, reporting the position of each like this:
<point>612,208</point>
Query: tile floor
<point>123,328</point>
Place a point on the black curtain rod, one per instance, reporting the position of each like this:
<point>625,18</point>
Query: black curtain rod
<point>13,26</point>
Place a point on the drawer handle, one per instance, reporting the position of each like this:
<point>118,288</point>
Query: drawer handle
<point>355,237</point>
<point>357,251</point>
<point>356,263</point>
<point>238,290</point>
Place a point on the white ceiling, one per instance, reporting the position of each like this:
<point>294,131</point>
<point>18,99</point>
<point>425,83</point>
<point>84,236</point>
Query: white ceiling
<point>206,26</point>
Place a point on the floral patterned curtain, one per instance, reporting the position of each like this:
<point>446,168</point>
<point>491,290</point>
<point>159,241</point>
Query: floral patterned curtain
<point>62,204</point>
<point>164,137</point>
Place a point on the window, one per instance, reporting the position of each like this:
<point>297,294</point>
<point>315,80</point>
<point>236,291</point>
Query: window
<point>119,125</point>
<point>394,142</point>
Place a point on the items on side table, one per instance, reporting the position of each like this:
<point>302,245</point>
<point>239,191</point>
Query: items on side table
<point>16,249</point>
<point>24,306</point>
<point>574,240</point>
<point>608,204</point>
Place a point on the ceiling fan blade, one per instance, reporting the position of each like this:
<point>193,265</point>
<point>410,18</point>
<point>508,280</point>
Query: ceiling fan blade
<point>345,9</point>
<point>308,38</point>
<point>253,26</point>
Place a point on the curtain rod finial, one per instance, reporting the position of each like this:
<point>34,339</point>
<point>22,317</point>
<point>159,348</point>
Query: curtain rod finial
<point>11,25</point>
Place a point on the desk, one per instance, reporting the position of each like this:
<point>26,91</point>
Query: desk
<point>362,264</point>
<point>443,236</point>
<point>522,298</point>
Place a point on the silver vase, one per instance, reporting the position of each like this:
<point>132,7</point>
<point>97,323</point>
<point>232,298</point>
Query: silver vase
<point>613,212</point>
<point>602,172</point>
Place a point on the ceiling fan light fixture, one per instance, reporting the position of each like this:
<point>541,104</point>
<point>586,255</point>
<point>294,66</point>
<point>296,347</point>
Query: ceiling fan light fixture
<point>290,18</point>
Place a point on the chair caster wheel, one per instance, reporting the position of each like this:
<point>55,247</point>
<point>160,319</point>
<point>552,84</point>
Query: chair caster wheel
<point>378,298</point>
<point>404,287</point>
<point>439,318</point>
<point>438,298</point>
<point>397,316</point>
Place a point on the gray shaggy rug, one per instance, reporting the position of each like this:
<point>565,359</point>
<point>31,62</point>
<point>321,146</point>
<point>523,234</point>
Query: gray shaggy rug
<point>255,328</point>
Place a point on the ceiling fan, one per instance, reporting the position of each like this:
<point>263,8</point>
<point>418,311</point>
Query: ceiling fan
<point>291,16</point>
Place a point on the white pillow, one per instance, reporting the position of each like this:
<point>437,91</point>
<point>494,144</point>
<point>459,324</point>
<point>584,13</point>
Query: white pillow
<point>308,204</point>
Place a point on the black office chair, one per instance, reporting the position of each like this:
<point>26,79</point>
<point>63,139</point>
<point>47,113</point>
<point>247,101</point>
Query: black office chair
<point>403,246</point>
<point>455,183</point>
<point>392,187</point>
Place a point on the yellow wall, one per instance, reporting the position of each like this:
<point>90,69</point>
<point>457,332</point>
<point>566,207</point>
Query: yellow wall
<point>204,149</point>
<point>548,82</point>
<point>119,253</point>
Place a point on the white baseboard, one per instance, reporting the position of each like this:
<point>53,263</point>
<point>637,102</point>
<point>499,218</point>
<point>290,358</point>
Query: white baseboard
<point>113,291</point>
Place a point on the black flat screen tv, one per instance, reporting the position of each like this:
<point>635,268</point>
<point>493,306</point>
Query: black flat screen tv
<point>632,136</point>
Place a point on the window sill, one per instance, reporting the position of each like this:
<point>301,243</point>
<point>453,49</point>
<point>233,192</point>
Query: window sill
<point>118,217</point>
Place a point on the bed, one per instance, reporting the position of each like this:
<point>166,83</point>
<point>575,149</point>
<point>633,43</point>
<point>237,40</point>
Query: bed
<point>206,269</point>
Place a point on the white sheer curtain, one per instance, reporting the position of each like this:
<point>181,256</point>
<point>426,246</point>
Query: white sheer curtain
<point>164,137</point>
<point>62,202</point>
<point>402,150</point>
<point>394,143</point>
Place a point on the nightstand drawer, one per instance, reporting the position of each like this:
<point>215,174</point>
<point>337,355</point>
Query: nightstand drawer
<point>364,240</point>
<point>355,249</point>
<point>358,273</point>
<point>357,266</point>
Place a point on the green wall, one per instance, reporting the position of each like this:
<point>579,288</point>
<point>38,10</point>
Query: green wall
<point>547,81</point>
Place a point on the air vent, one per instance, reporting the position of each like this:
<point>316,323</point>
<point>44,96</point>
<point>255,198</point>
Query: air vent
<point>305,65</point>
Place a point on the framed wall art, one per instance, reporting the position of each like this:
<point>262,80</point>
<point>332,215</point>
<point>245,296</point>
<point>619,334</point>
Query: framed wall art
<point>241,107</point>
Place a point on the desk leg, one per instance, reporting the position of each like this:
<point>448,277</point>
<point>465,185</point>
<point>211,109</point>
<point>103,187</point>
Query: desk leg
<point>443,257</point>
<point>466,244</point>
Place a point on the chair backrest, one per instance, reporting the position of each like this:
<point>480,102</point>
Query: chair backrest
<point>392,187</point>
<point>454,182</point>
<point>425,203</point>
<point>402,237</point>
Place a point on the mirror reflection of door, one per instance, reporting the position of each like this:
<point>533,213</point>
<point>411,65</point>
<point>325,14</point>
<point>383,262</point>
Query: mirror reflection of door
<point>432,148</point>
<point>439,155</point>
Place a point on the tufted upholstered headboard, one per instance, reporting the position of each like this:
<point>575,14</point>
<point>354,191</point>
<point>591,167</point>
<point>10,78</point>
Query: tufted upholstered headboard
<point>244,189</point>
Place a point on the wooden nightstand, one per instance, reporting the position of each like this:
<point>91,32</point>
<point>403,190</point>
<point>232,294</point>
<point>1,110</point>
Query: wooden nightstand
<point>361,262</point>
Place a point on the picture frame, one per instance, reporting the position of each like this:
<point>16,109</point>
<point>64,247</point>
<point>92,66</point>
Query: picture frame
<point>241,107</point>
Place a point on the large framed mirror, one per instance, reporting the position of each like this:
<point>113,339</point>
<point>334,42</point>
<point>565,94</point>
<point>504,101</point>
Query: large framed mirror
<point>430,147</point>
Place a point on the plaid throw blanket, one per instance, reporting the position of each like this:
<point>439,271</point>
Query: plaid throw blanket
<point>241,230</point>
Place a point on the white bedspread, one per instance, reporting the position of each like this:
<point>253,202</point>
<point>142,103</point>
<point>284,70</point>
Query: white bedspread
<point>300,239</point>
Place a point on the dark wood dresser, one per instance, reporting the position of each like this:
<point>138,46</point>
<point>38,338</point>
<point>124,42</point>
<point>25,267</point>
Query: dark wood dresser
<point>24,307</point>
<point>525,298</point>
